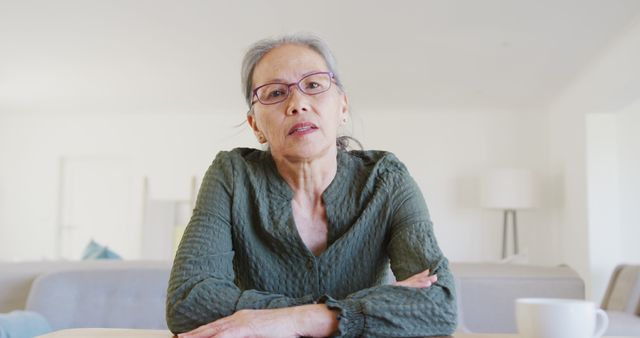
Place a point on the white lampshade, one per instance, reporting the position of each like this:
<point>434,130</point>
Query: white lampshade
<point>508,189</point>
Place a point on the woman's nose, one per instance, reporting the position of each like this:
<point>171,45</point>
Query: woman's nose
<point>297,101</point>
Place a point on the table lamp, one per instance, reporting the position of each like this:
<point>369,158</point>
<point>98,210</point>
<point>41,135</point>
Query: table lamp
<point>508,190</point>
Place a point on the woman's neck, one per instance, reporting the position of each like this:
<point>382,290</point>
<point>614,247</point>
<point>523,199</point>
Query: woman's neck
<point>308,178</point>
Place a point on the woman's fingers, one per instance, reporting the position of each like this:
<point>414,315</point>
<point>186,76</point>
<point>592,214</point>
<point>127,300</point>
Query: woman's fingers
<point>204,331</point>
<point>419,280</point>
<point>246,323</point>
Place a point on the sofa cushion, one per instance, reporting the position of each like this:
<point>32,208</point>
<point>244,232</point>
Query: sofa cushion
<point>98,251</point>
<point>623,292</point>
<point>22,324</point>
<point>16,277</point>
<point>109,298</point>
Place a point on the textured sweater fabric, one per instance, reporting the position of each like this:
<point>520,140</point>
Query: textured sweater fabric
<point>242,250</point>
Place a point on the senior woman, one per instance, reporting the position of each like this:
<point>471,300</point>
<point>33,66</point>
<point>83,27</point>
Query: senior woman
<point>297,240</point>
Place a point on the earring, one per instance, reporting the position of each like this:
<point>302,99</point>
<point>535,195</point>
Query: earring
<point>261,138</point>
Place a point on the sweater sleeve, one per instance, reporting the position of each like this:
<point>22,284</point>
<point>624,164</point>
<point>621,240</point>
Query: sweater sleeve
<point>202,285</point>
<point>397,311</point>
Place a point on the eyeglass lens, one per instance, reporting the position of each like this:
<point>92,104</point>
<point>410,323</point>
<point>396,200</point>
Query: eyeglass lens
<point>277,92</point>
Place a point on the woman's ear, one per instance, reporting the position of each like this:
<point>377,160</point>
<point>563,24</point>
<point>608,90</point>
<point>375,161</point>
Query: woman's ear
<point>344,111</point>
<point>254,126</point>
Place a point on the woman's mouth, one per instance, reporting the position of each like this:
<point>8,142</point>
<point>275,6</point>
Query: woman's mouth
<point>302,128</point>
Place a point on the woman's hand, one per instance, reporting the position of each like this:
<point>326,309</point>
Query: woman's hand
<point>247,323</point>
<point>306,320</point>
<point>419,280</point>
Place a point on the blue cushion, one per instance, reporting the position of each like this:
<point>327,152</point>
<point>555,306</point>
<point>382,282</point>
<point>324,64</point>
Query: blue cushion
<point>23,324</point>
<point>97,251</point>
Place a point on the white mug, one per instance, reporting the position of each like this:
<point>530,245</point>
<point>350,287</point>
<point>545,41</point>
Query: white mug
<point>559,318</point>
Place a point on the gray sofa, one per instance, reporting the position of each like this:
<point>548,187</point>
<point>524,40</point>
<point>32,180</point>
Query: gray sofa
<point>131,298</point>
<point>112,294</point>
<point>130,294</point>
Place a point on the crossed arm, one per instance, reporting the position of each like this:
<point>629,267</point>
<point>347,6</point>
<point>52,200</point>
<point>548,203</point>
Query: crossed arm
<point>204,301</point>
<point>314,320</point>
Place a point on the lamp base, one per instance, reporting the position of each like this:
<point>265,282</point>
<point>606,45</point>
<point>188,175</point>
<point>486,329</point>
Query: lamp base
<point>505,224</point>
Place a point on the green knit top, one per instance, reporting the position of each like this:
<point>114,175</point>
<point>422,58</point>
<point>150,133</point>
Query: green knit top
<point>242,250</point>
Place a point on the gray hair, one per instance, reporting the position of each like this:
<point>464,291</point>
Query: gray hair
<point>262,47</point>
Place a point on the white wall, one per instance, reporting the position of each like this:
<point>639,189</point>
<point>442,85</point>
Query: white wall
<point>613,164</point>
<point>629,166</point>
<point>610,84</point>
<point>446,153</point>
<point>169,149</point>
<point>603,181</point>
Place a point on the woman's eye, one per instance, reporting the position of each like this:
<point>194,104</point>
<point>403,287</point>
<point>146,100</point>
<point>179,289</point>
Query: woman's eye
<point>275,93</point>
<point>313,85</point>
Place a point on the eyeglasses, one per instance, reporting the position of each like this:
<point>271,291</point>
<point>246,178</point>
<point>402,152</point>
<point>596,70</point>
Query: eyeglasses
<point>312,84</point>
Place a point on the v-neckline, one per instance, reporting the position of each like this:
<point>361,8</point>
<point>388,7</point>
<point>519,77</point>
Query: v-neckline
<point>329,198</point>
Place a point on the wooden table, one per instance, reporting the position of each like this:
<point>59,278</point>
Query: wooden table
<point>108,333</point>
<point>130,333</point>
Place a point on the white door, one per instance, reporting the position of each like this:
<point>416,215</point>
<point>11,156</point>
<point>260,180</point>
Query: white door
<point>98,201</point>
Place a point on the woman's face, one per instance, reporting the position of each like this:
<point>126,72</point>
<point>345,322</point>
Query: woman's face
<point>302,127</point>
